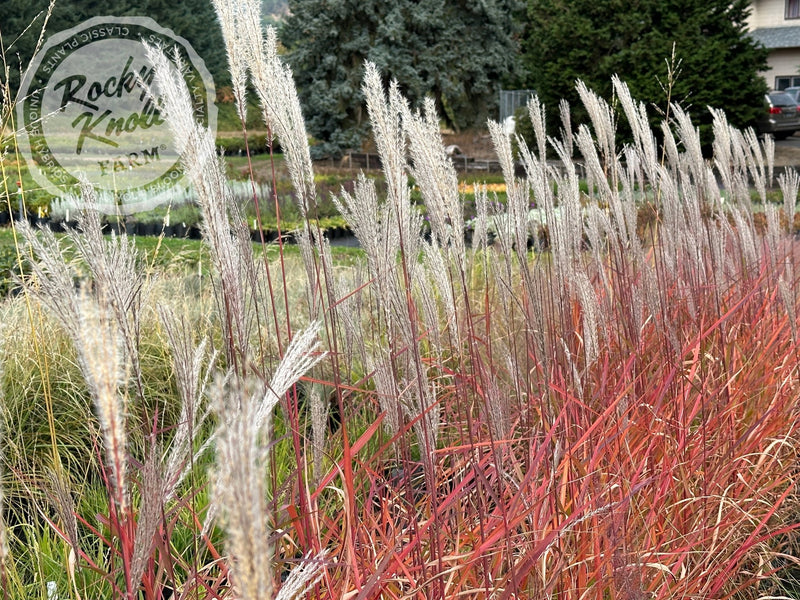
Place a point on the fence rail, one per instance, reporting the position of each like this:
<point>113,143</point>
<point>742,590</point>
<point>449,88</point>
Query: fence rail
<point>511,100</point>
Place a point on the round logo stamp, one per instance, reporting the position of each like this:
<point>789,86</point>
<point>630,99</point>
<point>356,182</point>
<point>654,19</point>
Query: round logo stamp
<point>86,112</point>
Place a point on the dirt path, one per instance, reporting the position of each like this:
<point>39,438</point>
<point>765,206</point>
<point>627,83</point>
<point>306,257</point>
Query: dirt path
<point>787,155</point>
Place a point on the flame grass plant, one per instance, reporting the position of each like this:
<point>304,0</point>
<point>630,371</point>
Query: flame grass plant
<point>610,415</point>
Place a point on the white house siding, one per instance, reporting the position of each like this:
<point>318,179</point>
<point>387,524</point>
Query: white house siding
<point>769,13</point>
<point>768,23</point>
<point>783,62</point>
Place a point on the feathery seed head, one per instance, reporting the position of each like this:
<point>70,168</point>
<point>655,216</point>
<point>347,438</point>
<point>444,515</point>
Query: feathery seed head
<point>101,358</point>
<point>789,182</point>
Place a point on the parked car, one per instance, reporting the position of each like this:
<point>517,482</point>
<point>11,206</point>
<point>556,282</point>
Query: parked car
<point>782,116</point>
<point>794,92</point>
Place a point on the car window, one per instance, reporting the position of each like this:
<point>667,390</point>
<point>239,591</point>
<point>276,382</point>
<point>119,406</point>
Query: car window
<point>781,99</point>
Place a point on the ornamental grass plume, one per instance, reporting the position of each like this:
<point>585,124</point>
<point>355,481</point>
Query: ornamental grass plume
<point>192,365</point>
<point>117,275</point>
<point>244,412</point>
<point>91,322</point>
<point>102,319</point>
<point>101,357</point>
<point>52,277</point>
<point>789,182</point>
<point>239,491</point>
<point>155,491</point>
<point>59,490</point>
<point>603,122</point>
<point>227,17</point>
<point>386,112</point>
<point>438,183</point>
<point>643,137</point>
<point>396,236</point>
<point>224,230</point>
<point>274,86</point>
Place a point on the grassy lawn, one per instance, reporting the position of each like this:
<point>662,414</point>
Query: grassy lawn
<point>160,253</point>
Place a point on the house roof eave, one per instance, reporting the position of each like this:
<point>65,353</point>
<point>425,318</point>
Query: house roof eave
<point>777,37</point>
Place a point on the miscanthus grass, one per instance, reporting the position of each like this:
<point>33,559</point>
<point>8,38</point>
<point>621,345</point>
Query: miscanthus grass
<point>593,394</point>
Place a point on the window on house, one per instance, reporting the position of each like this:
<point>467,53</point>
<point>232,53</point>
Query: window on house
<point>793,9</point>
<point>784,81</point>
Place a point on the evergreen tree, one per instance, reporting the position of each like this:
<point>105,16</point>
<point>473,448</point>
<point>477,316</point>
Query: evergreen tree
<point>194,20</point>
<point>718,63</point>
<point>457,51</point>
